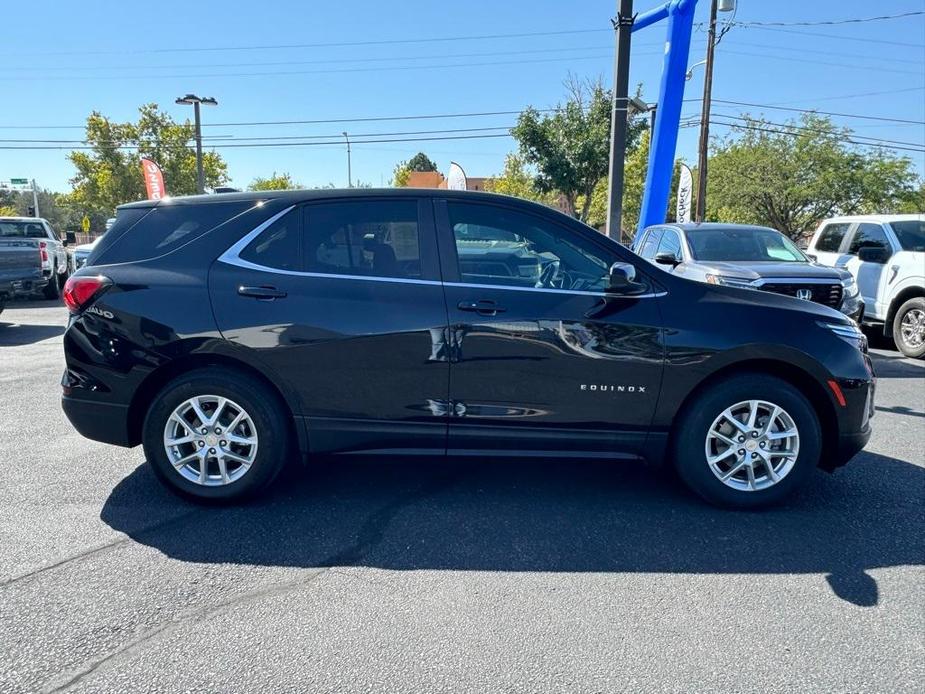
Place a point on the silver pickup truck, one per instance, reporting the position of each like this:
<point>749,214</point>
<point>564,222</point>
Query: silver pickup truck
<point>27,244</point>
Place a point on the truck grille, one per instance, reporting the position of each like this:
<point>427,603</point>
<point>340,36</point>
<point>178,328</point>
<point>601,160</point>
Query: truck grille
<point>827,294</point>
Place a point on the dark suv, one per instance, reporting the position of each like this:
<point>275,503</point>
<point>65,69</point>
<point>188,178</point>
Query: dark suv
<point>231,333</point>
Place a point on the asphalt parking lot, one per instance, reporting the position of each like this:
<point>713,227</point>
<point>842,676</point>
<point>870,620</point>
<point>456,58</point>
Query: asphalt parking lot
<point>445,575</point>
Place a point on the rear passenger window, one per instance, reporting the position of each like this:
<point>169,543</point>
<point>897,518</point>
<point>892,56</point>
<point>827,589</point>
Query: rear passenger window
<point>378,238</point>
<point>831,237</point>
<point>277,246</point>
<point>163,229</point>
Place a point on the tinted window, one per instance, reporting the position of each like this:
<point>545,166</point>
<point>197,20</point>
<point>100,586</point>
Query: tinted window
<point>670,243</point>
<point>831,237</point>
<point>911,234</point>
<point>20,229</point>
<point>499,246</point>
<point>755,245</point>
<point>164,228</point>
<point>379,238</point>
<point>650,243</point>
<point>277,246</point>
<point>868,236</point>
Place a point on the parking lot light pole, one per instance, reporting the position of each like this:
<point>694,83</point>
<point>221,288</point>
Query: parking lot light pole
<point>196,101</point>
<point>349,172</point>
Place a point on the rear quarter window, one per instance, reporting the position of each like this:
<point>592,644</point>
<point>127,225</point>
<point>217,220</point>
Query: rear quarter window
<point>145,233</point>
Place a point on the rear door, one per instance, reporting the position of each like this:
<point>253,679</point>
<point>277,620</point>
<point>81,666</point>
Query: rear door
<point>827,248</point>
<point>541,363</point>
<point>343,299</point>
<point>871,277</point>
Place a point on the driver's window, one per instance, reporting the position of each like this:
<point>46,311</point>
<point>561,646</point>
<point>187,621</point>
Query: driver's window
<point>670,243</point>
<point>498,246</point>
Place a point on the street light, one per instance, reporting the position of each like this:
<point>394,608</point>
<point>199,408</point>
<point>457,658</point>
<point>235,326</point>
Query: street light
<point>349,173</point>
<point>196,101</point>
<point>690,71</point>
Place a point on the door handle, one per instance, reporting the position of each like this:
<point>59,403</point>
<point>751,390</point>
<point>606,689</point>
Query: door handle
<point>483,307</point>
<point>266,293</point>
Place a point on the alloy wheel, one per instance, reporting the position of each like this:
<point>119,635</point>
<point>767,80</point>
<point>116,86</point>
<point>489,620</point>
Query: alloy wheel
<point>912,328</point>
<point>210,440</point>
<point>752,445</point>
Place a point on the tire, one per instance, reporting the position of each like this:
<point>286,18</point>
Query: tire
<point>52,290</point>
<point>266,422</point>
<point>910,337</point>
<point>691,442</point>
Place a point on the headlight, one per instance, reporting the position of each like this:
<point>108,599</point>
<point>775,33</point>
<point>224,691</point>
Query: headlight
<point>849,288</point>
<point>849,332</point>
<point>740,282</point>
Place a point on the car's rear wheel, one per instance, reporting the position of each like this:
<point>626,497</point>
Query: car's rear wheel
<point>216,435</point>
<point>909,328</point>
<point>747,441</point>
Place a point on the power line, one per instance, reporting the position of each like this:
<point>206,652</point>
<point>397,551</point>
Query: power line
<point>824,113</point>
<point>920,149</point>
<point>865,39</point>
<point>850,66</point>
<point>831,22</point>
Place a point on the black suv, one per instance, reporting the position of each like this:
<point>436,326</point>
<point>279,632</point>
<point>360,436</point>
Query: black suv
<point>231,333</point>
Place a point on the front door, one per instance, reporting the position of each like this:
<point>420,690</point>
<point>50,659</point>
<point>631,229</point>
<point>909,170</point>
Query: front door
<point>541,361</point>
<point>343,300</point>
<point>870,276</point>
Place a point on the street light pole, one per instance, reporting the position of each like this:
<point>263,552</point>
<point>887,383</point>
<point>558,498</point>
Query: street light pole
<point>349,173</point>
<point>196,101</point>
<point>619,111</point>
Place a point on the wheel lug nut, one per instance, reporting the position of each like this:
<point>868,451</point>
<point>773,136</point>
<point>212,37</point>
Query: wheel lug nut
<point>205,431</point>
<point>741,451</point>
<point>754,434</point>
<point>212,451</point>
<point>218,431</point>
<point>762,444</point>
<point>222,443</point>
<point>754,455</point>
<point>202,443</point>
<point>741,439</point>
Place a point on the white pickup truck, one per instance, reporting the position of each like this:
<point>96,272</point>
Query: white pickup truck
<point>886,255</point>
<point>50,248</point>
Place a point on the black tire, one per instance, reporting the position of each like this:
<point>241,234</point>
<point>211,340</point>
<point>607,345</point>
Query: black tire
<point>270,418</point>
<point>915,351</point>
<point>52,290</point>
<point>690,438</point>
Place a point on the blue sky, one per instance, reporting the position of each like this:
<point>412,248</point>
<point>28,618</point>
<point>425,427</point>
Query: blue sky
<point>66,59</point>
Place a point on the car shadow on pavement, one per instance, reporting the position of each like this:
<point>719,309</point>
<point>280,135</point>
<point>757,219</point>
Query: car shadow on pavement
<point>897,367</point>
<point>17,334</point>
<point>569,516</point>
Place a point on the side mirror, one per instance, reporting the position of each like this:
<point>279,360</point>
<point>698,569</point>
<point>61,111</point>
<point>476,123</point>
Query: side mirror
<point>70,238</point>
<point>873,254</point>
<point>622,279</point>
<point>666,258</point>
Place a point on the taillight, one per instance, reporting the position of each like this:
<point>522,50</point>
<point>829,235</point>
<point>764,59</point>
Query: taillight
<point>43,251</point>
<point>80,290</point>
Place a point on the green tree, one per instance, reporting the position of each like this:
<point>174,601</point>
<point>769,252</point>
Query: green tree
<point>517,180</point>
<point>791,177</point>
<point>421,162</point>
<point>400,175</point>
<point>571,147</point>
<point>281,181</point>
<point>109,173</point>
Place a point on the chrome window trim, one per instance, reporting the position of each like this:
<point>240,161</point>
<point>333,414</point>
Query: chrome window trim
<point>795,280</point>
<point>232,257</point>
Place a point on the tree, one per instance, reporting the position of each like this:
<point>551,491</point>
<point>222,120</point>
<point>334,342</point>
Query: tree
<point>792,176</point>
<point>516,180</point>
<point>421,162</point>
<point>281,181</point>
<point>400,175</point>
<point>571,148</point>
<point>109,173</point>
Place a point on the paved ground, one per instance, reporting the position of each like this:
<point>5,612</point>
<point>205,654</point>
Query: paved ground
<point>447,575</point>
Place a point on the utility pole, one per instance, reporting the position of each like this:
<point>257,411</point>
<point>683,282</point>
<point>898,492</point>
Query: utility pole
<point>35,200</point>
<point>705,120</point>
<point>349,172</point>
<point>619,111</point>
<point>196,101</point>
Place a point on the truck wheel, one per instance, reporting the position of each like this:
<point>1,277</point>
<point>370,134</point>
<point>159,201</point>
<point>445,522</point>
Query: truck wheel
<point>748,441</point>
<point>52,290</point>
<point>909,328</point>
<point>216,435</point>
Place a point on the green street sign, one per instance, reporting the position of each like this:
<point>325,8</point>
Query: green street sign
<point>19,181</point>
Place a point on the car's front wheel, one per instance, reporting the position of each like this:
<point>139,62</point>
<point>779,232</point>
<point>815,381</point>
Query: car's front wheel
<point>909,328</point>
<point>216,435</point>
<point>747,441</point>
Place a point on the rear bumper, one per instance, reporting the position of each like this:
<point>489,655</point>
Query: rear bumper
<point>100,421</point>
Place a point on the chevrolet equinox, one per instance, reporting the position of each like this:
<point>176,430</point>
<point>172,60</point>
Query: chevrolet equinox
<point>230,333</point>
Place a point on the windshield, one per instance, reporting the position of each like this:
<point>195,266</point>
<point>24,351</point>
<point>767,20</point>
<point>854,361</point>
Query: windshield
<point>754,245</point>
<point>911,234</point>
<point>23,230</point>
<point>477,232</point>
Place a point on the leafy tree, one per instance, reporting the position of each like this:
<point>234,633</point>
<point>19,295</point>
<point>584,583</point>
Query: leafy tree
<point>281,181</point>
<point>108,174</point>
<point>571,147</point>
<point>400,175</point>
<point>791,177</point>
<point>516,180</point>
<point>421,162</point>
